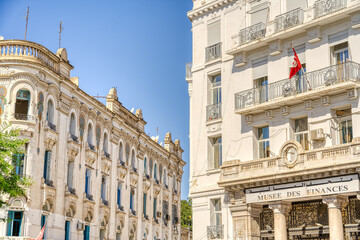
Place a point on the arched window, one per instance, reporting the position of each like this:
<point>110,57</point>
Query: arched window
<point>160,173</point>
<point>145,166</point>
<point>151,167</point>
<point>90,136</point>
<point>50,112</point>
<point>22,104</point>
<point>72,125</point>
<point>155,172</point>
<point>165,177</point>
<point>121,153</point>
<point>127,152</point>
<point>174,182</point>
<point>105,143</point>
<point>133,159</point>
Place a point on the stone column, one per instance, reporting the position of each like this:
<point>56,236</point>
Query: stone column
<point>280,212</point>
<point>335,218</point>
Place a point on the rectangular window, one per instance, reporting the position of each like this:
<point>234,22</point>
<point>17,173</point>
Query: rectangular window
<point>259,11</point>
<point>215,212</point>
<point>47,164</point>
<point>345,125</point>
<point>291,4</point>
<point>87,181</point>
<point>67,230</point>
<point>215,154</point>
<point>43,221</point>
<point>301,132</point>
<point>154,209</point>
<point>340,53</point>
<point>263,142</point>
<point>103,188</point>
<point>216,89</point>
<point>214,36</point>
<point>132,199</point>
<point>14,223</point>
<point>119,195</point>
<point>18,162</point>
<point>144,204</point>
<point>70,174</point>
<point>87,232</point>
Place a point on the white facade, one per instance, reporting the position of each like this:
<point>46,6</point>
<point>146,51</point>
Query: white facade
<point>264,129</point>
<point>91,164</point>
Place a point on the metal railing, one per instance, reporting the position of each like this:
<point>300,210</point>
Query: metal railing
<point>289,19</point>
<point>107,155</point>
<point>324,7</point>
<point>74,138</point>
<point>188,70</point>
<point>133,212</point>
<point>213,52</point>
<point>25,117</point>
<point>215,232</point>
<point>334,74</point>
<point>92,147</point>
<point>121,208</point>
<point>105,202</point>
<point>72,190</point>
<point>89,197</point>
<point>213,111</point>
<point>49,182</point>
<point>252,33</point>
<point>51,126</point>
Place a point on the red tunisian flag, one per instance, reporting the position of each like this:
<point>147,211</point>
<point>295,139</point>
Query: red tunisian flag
<point>41,234</point>
<point>296,65</point>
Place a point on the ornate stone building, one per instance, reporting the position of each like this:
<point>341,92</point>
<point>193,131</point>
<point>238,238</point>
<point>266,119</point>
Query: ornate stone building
<point>95,173</point>
<point>273,157</point>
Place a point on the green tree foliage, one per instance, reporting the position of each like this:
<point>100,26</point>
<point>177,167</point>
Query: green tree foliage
<point>11,147</point>
<point>186,213</point>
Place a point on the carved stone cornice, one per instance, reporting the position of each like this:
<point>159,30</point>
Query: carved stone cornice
<point>206,9</point>
<point>146,184</point>
<point>133,179</point>
<point>90,156</point>
<point>105,165</point>
<point>121,171</point>
<point>50,141</point>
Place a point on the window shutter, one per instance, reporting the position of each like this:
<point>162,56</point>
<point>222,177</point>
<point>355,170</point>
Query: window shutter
<point>259,68</point>
<point>259,11</point>
<point>214,36</point>
<point>293,4</point>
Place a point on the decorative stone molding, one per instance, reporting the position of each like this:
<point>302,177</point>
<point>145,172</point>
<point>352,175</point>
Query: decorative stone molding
<point>73,149</point>
<point>335,201</point>
<point>240,59</point>
<point>352,93</point>
<point>355,20</point>
<point>50,141</point>
<point>5,71</point>
<point>105,165</point>
<point>121,171</point>
<point>275,48</point>
<point>314,35</point>
<point>133,179</point>
<point>285,110</point>
<point>248,119</point>
<point>90,156</point>
<point>270,114</point>
<point>308,105</point>
<point>88,212</point>
<point>146,184</point>
<point>290,152</point>
<point>280,208</point>
<point>325,100</point>
<point>208,8</point>
<point>156,189</point>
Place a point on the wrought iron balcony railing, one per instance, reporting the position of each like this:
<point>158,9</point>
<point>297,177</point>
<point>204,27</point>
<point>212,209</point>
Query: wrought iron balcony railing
<point>289,19</point>
<point>121,208</point>
<point>51,126</point>
<point>324,7</point>
<point>134,169</point>
<point>133,212</point>
<point>49,182</point>
<point>344,72</point>
<point>213,111</point>
<point>92,147</point>
<point>72,190</point>
<point>252,33</point>
<point>107,155</point>
<point>105,202</point>
<point>215,232</point>
<point>25,117</point>
<point>188,70</point>
<point>213,52</point>
<point>122,163</point>
<point>90,197</point>
<point>74,138</point>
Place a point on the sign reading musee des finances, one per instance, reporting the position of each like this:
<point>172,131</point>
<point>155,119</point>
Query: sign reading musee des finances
<point>318,187</point>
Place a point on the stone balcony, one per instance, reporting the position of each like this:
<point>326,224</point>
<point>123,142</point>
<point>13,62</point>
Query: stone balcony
<point>317,163</point>
<point>293,23</point>
<point>299,89</point>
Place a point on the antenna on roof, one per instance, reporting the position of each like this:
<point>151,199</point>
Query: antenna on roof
<point>60,30</point>
<point>27,19</point>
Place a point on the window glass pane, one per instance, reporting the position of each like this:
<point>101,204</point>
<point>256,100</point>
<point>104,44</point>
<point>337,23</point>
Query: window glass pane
<point>301,125</point>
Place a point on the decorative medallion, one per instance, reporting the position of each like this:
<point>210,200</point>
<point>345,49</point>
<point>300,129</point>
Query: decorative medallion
<point>2,100</point>
<point>290,153</point>
<point>82,126</point>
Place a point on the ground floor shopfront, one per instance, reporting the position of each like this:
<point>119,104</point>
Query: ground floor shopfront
<point>327,208</point>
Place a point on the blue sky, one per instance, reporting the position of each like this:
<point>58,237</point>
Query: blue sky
<point>140,47</point>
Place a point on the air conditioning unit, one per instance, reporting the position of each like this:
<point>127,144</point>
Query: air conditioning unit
<point>317,134</point>
<point>80,226</point>
<point>158,214</point>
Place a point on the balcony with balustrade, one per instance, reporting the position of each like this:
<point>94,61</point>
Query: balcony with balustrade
<point>311,85</point>
<point>215,232</point>
<point>289,19</point>
<point>213,52</point>
<point>293,23</point>
<point>310,164</point>
<point>213,112</point>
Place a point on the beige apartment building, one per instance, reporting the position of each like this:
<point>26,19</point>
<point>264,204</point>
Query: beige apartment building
<point>273,157</point>
<point>95,173</point>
